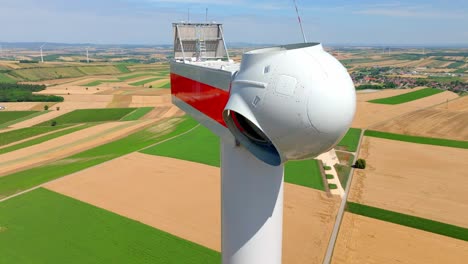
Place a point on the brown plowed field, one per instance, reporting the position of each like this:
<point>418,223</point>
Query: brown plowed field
<point>421,180</point>
<point>367,240</point>
<point>368,114</point>
<point>183,198</point>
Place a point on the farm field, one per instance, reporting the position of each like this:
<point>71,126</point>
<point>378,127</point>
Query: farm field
<point>409,221</point>
<point>370,114</point>
<point>91,115</point>
<point>143,82</point>
<point>202,146</point>
<point>407,97</point>
<point>41,220</point>
<point>367,240</point>
<point>9,116</point>
<point>351,140</point>
<point>9,137</point>
<point>423,180</point>
<point>417,139</point>
<point>304,172</point>
<point>447,120</point>
<point>67,145</point>
<point>137,114</point>
<point>183,198</point>
<point>38,140</point>
<point>22,180</point>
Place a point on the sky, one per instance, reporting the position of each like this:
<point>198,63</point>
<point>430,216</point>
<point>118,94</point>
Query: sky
<point>412,22</point>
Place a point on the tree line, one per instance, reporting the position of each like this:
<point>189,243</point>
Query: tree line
<point>14,92</point>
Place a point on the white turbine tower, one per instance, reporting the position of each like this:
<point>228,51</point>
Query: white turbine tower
<point>87,54</point>
<point>42,56</point>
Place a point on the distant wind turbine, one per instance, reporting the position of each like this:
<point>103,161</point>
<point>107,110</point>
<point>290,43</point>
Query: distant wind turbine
<point>87,54</point>
<point>42,56</point>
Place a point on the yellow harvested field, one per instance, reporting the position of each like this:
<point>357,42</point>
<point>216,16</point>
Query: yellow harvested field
<point>84,101</point>
<point>367,240</point>
<point>369,114</point>
<point>183,198</point>
<point>421,180</point>
<point>119,100</point>
<point>20,106</point>
<point>142,101</point>
<point>432,122</point>
<point>459,104</point>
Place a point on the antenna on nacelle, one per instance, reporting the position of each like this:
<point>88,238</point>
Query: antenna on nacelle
<point>300,22</point>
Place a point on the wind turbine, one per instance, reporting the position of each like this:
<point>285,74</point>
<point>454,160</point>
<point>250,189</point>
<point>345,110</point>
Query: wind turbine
<point>42,56</point>
<point>87,54</point>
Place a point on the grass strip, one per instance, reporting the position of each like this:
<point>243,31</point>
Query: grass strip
<point>137,114</point>
<point>34,223</point>
<point>8,118</point>
<point>42,139</point>
<point>409,221</point>
<point>24,133</point>
<point>417,139</point>
<point>122,68</point>
<point>143,82</point>
<point>90,115</point>
<point>23,180</point>
<point>407,97</point>
<point>351,140</point>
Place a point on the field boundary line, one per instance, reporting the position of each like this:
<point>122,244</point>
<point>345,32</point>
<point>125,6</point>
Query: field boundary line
<point>339,217</point>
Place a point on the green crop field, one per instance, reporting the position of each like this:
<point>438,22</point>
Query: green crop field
<point>21,119</point>
<point>137,114</point>
<point>8,116</point>
<point>143,82</point>
<point>456,65</point>
<point>99,82</point>
<point>6,79</point>
<point>122,68</point>
<point>24,133</point>
<point>120,78</point>
<point>42,226</point>
<point>166,85</point>
<point>351,140</point>
<point>90,115</point>
<point>133,76</point>
<point>47,73</point>
<point>407,97</point>
<point>99,70</point>
<point>409,220</point>
<point>42,139</point>
<point>419,140</point>
<point>23,180</point>
<point>202,146</point>
<point>305,173</point>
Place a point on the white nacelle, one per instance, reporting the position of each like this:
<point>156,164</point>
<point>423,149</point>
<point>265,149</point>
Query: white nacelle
<point>290,102</point>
